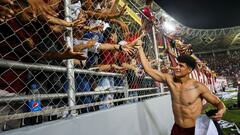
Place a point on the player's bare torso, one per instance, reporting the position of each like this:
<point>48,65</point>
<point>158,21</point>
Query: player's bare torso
<point>186,102</point>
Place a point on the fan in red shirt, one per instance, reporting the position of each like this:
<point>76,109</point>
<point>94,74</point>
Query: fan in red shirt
<point>107,56</point>
<point>148,18</point>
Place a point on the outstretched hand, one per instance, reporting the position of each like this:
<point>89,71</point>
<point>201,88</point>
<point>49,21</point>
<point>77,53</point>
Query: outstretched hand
<point>69,54</point>
<point>138,44</point>
<point>119,68</point>
<point>4,11</point>
<point>6,2</point>
<point>39,6</point>
<point>123,26</point>
<point>79,22</point>
<point>128,49</point>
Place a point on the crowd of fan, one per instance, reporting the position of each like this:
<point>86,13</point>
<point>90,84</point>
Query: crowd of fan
<point>33,31</point>
<point>225,64</point>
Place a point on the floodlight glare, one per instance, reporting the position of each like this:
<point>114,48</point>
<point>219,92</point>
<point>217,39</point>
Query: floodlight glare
<point>169,26</point>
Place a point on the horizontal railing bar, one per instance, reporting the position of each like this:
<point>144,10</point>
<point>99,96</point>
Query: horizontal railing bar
<point>143,89</point>
<point>21,65</point>
<point>64,95</point>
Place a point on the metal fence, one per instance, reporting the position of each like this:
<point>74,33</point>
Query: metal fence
<point>63,58</point>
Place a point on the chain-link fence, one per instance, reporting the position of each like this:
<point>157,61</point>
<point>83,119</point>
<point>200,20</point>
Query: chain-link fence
<point>65,58</point>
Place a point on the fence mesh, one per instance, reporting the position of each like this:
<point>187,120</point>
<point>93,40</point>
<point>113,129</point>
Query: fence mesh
<point>61,58</point>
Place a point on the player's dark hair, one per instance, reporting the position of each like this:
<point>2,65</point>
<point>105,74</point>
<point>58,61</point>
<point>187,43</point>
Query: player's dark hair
<point>189,60</point>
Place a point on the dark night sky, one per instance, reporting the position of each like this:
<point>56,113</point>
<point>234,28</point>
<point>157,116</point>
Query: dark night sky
<point>203,13</point>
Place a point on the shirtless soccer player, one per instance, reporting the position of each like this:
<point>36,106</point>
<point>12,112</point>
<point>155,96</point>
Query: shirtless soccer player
<point>186,93</point>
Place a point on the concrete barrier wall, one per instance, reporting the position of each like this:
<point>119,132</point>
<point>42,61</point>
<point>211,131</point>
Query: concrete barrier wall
<point>152,117</point>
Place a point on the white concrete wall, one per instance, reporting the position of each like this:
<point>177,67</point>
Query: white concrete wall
<point>152,117</point>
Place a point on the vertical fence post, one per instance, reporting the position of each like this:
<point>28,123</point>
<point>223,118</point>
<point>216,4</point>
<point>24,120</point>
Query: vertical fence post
<point>70,65</point>
<point>156,53</point>
<point>155,45</point>
<point>125,82</point>
<point>238,95</point>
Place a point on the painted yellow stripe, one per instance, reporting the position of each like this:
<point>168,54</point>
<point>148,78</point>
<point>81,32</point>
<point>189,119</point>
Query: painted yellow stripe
<point>131,13</point>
